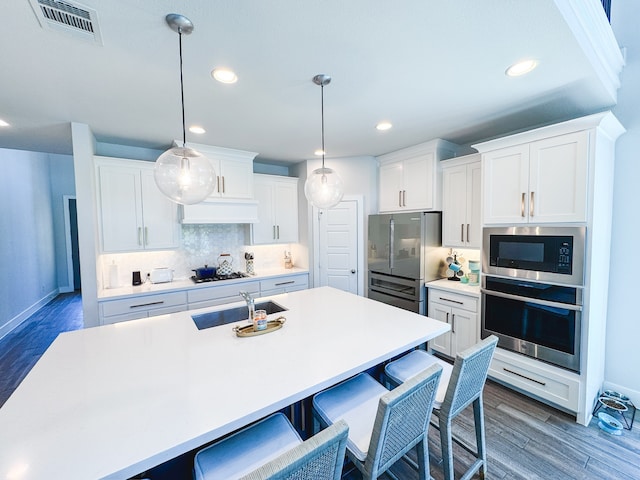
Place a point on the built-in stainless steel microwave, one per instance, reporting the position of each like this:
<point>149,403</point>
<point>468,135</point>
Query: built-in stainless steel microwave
<point>544,254</point>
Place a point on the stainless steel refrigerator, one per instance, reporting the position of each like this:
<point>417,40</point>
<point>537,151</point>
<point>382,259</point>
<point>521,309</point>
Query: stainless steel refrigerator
<point>404,252</point>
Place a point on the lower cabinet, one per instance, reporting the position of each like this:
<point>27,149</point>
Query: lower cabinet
<point>536,378</point>
<point>459,311</point>
<point>141,306</point>
<point>220,294</point>
<point>288,283</point>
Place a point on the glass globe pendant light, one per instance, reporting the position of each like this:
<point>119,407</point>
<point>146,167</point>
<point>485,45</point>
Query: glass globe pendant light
<point>183,174</point>
<point>323,188</point>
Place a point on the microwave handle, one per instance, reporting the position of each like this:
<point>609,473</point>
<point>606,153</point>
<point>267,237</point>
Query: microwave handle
<point>534,301</point>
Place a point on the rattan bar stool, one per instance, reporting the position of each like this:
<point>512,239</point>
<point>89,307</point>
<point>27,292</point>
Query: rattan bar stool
<point>272,449</point>
<point>383,424</point>
<point>461,385</point>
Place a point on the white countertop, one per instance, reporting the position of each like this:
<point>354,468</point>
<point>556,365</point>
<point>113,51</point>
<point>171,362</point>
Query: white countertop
<point>187,283</point>
<point>113,401</point>
<point>457,287</point>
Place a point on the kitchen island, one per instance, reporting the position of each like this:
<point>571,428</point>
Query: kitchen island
<point>116,400</point>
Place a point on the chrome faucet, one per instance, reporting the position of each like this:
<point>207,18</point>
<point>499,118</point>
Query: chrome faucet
<point>251,304</point>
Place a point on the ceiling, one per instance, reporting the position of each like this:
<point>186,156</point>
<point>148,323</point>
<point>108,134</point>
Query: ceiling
<point>435,69</point>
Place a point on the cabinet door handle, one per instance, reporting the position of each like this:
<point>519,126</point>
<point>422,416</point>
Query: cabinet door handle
<point>452,301</point>
<point>285,283</point>
<point>522,205</point>
<point>274,232</point>
<point>146,236</point>
<point>468,239</point>
<point>399,198</point>
<point>139,235</point>
<point>453,323</point>
<point>447,317</point>
<point>147,304</point>
<point>224,190</point>
<point>218,183</point>
<point>531,204</point>
<point>404,198</point>
<point>278,229</point>
<point>524,376</point>
<point>462,232</point>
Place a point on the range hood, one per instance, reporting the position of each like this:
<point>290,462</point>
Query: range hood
<point>221,210</point>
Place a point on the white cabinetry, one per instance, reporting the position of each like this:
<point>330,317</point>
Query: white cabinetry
<point>461,312</point>
<point>134,214</point>
<point>543,181</point>
<point>220,294</point>
<point>141,306</point>
<point>461,202</point>
<point>284,284</point>
<point>561,174</point>
<point>411,179</point>
<point>277,210</point>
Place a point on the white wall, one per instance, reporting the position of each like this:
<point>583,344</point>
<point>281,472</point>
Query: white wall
<point>622,369</point>
<point>62,183</point>
<point>27,252</point>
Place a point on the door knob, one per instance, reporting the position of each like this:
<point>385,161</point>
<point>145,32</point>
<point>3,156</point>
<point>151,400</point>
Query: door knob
<point>353,271</point>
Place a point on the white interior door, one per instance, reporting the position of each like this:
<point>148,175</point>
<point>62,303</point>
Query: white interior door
<point>338,240</point>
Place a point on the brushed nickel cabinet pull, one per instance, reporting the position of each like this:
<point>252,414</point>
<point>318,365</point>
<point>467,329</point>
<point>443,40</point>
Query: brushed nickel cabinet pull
<point>468,239</point>
<point>139,235</point>
<point>285,283</point>
<point>447,317</point>
<point>453,323</point>
<point>224,190</point>
<point>146,236</point>
<point>522,205</point>
<point>278,228</point>
<point>452,301</point>
<point>218,183</point>
<point>274,232</point>
<point>404,198</point>
<point>399,198</point>
<point>531,204</point>
<point>462,232</point>
<point>524,376</point>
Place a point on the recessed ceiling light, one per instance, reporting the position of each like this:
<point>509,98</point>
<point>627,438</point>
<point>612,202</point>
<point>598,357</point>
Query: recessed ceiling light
<point>224,75</point>
<point>521,68</point>
<point>319,152</point>
<point>3,123</point>
<point>197,130</point>
<point>382,126</point>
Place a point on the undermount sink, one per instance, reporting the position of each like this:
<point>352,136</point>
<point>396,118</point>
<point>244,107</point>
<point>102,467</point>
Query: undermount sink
<point>222,317</point>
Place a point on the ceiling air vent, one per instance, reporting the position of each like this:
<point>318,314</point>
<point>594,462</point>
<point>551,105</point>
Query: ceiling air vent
<point>68,17</point>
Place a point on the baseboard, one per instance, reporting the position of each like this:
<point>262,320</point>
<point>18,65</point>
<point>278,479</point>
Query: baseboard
<point>67,289</point>
<point>634,395</point>
<point>22,316</point>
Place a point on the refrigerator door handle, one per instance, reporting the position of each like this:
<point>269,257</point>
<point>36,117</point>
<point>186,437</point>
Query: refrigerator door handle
<point>392,227</point>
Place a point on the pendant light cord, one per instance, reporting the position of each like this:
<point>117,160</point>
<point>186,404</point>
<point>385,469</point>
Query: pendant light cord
<point>184,133</point>
<point>322,116</point>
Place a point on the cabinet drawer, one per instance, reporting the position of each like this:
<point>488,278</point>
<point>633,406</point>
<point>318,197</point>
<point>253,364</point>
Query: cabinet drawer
<point>455,300</point>
<point>222,293</point>
<point>288,283</point>
<point>143,303</point>
<point>538,379</point>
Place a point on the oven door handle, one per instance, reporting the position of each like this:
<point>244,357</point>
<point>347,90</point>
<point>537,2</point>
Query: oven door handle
<point>534,301</point>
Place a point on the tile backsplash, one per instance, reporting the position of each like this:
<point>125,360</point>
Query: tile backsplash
<point>201,244</point>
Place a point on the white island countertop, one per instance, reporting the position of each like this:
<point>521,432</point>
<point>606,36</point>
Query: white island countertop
<point>113,401</point>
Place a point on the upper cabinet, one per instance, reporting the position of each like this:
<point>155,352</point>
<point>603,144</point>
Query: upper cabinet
<point>134,215</point>
<point>234,171</point>
<point>461,202</point>
<point>411,179</point>
<point>277,210</point>
<point>232,200</point>
<point>543,181</point>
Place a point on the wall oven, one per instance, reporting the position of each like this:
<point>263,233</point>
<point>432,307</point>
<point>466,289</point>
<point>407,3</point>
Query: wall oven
<point>532,289</point>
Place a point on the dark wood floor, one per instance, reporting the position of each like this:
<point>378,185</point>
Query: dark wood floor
<point>525,439</point>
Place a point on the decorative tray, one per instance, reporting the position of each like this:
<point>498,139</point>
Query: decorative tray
<point>248,331</point>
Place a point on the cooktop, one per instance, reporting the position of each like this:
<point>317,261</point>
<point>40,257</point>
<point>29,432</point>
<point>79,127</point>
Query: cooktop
<point>217,278</point>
